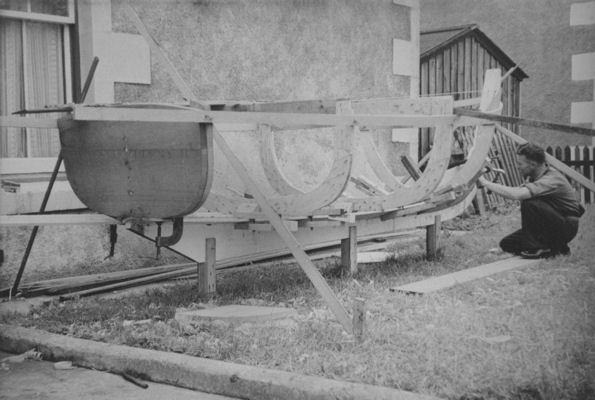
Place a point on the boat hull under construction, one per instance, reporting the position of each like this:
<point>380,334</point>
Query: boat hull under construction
<point>148,162</point>
<point>138,170</point>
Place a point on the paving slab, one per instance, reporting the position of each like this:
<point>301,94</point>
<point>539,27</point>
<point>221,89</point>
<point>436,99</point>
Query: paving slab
<point>235,313</point>
<point>369,257</point>
<point>21,306</point>
<point>32,379</point>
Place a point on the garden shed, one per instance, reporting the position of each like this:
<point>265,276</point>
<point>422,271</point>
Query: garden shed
<point>453,61</point>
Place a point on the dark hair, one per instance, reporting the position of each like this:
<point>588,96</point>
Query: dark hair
<point>532,152</point>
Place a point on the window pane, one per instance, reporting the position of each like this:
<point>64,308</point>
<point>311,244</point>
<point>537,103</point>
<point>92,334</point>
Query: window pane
<point>53,7</point>
<point>44,73</point>
<point>12,140</point>
<point>13,5</point>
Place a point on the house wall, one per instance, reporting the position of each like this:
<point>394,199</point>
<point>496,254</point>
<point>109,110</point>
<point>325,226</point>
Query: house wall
<point>539,36</point>
<point>272,49</point>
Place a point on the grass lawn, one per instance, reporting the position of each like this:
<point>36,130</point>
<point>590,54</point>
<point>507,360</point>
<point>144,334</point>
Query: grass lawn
<point>525,334</point>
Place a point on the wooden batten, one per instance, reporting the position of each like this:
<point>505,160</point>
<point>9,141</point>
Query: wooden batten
<point>277,120</point>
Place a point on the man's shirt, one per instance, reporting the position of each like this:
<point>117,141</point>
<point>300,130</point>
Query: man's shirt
<point>553,187</point>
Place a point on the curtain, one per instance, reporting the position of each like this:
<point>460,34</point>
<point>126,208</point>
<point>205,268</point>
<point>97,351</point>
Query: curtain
<point>32,76</point>
<point>12,140</point>
<point>44,74</point>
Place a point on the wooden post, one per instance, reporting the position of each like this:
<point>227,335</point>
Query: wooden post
<point>359,318</point>
<point>207,283</point>
<point>432,236</point>
<point>349,251</point>
<point>478,203</point>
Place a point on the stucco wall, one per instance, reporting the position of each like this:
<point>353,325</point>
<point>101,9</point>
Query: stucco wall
<point>272,49</point>
<point>62,250</point>
<point>538,36</point>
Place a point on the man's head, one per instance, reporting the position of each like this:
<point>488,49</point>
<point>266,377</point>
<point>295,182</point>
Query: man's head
<point>531,159</point>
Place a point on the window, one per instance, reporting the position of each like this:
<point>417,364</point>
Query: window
<point>54,11</point>
<point>35,70</point>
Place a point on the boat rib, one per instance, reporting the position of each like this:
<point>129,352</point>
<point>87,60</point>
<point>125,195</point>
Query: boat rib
<point>490,102</point>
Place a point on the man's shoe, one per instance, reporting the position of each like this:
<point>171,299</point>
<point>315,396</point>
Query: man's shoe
<point>535,254</point>
<point>562,251</point>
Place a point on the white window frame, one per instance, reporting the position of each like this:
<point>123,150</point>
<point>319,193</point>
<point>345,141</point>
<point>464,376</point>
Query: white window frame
<point>32,16</point>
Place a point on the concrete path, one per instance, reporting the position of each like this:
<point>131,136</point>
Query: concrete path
<point>40,380</point>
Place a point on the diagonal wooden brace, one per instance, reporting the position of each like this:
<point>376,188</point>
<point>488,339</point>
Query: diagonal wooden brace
<point>292,244</point>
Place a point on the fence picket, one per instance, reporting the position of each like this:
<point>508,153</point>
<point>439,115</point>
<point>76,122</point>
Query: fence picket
<point>577,187</point>
<point>582,160</point>
<point>587,171</point>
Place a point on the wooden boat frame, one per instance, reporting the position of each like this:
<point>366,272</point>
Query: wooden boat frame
<point>364,213</point>
<point>366,219</point>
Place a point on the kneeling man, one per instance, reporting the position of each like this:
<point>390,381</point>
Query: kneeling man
<point>550,210</point>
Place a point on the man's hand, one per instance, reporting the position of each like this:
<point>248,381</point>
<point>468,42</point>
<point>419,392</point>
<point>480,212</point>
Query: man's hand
<point>481,182</point>
<point>513,193</point>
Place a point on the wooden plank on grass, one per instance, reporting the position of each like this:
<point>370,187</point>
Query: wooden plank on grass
<point>449,280</point>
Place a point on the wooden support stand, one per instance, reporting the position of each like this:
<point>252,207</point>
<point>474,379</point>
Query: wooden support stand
<point>478,203</point>
<point>349,252</point>
<point>359,318</point>
<point>206,271</point>
<point>432,238</point>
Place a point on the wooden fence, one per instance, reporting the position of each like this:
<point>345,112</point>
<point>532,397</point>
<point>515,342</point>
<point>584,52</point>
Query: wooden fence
<point>582,159</point>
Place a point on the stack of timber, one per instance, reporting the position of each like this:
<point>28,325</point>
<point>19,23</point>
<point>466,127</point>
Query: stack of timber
<point>58,286</point>
<point>87,285</point>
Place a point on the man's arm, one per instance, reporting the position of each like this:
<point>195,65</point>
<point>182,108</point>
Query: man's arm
<point>513,193</point>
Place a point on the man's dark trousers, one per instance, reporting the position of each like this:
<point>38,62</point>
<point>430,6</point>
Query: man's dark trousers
<point>542,228</point>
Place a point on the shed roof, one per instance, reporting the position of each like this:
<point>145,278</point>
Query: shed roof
<point>434,40</point>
